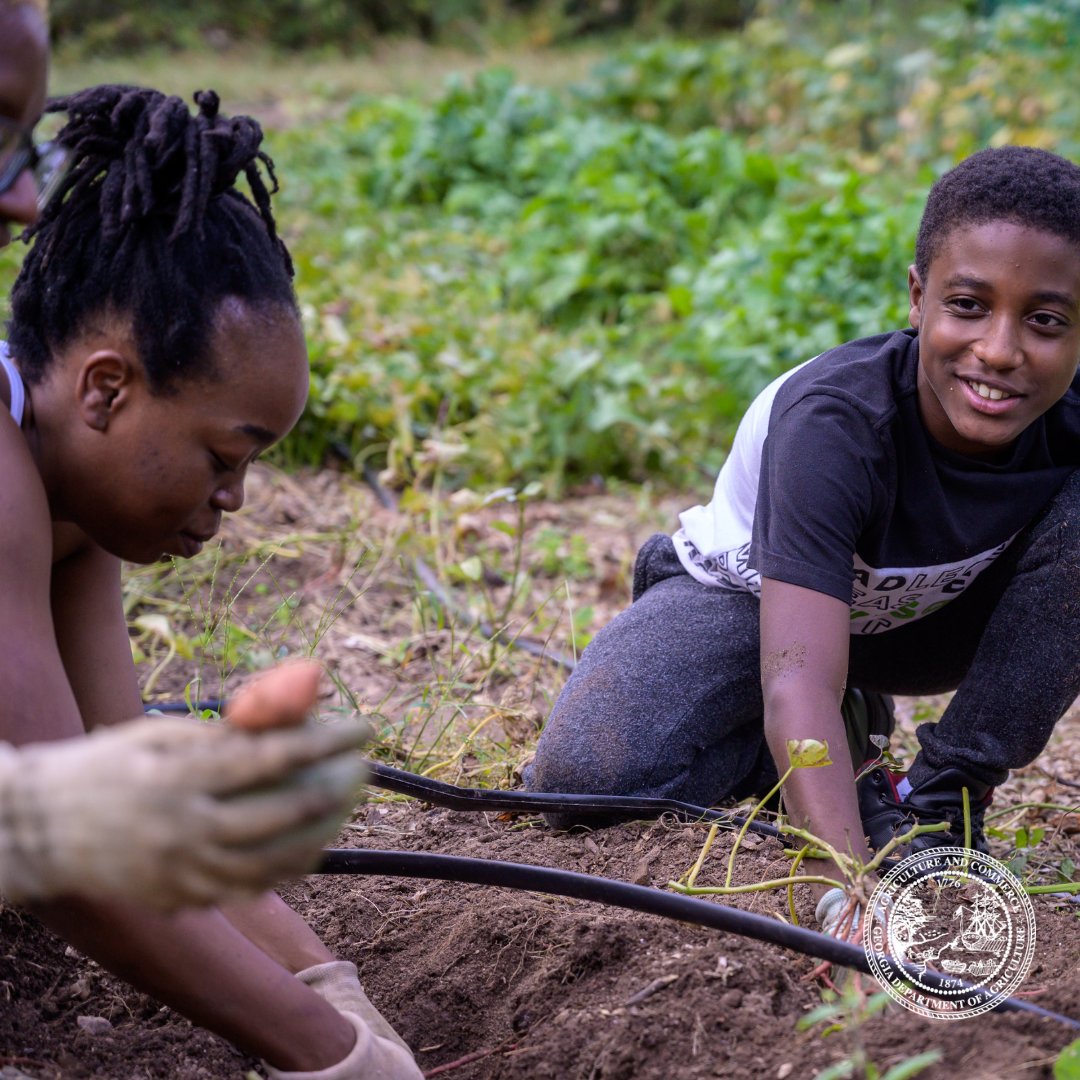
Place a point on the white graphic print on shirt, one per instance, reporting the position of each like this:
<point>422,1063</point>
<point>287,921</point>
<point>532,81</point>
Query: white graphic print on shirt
<point>881,599</point>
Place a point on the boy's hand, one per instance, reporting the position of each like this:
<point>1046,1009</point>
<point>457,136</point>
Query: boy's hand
<point>837,912</point>
<point>171,813</point>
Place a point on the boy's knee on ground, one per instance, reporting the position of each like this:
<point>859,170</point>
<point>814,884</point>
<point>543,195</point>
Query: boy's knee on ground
<point>578,765</point>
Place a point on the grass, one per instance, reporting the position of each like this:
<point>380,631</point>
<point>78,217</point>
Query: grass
<point>313,566</point>
<point>285,89</point>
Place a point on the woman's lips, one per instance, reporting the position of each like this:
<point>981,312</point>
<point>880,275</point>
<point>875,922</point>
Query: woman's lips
<point>190,545</point>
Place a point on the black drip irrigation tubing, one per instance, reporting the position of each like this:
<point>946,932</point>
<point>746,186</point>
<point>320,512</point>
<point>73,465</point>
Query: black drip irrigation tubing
<point>640,898</point>
<point>182,707</point>
<point>592,887</point>
<point>543,802</point>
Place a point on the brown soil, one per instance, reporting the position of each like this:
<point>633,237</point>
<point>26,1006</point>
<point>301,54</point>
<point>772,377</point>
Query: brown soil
<point>532,986</point>
<point>491,983</point>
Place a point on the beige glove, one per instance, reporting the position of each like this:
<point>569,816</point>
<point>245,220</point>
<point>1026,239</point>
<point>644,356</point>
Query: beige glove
<point>372,1058</point>
<point>172,812</point>
<point>380,1052</point>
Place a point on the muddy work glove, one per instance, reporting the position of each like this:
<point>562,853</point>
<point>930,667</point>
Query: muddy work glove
<point>171,813</point>
<point>380,1052</point>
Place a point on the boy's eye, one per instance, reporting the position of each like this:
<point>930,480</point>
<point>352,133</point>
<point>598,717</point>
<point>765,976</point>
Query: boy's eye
<point>222,465</point>
<point>1047,319</point>
<point>965,304</point>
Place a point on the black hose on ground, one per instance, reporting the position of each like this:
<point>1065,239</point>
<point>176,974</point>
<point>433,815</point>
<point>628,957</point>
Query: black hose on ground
<point>181,707</point>
<point>636,898</point>
<point>541,802</point>
<point>586,886</point>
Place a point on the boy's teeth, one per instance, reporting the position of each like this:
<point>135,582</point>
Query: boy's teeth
<point>990,392</point>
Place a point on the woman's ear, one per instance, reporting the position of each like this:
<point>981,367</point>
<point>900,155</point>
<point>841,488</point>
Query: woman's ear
<point>915,294</point>
<point>103,386</point>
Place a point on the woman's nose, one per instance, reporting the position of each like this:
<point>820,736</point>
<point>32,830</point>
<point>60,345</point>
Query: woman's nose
<point>19,202</point>
<point>229,498</point>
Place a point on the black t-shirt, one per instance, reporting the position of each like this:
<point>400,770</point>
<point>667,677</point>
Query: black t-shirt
<point>853,498</point>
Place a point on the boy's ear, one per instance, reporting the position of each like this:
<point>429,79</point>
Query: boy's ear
<point>915,294</point>
<point>103,386</point>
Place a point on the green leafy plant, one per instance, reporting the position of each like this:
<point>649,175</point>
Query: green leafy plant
<point>847,1011</point>
<point>554,283</point>
<point>1067,1065</point>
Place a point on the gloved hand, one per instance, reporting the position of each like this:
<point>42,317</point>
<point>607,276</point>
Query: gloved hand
<point>170,813</point>
<point>380,1052</point>
<point>337,982</point>
<point>371,1058</point>
<point>830,912</point>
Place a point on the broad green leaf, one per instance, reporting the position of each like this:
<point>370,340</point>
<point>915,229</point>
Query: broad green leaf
<point>1067,1066</point>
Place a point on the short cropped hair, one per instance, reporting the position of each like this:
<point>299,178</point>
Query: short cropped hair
<point>1019,184</point>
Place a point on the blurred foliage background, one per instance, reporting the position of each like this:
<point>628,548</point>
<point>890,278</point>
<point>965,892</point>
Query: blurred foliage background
<point>586,251</point>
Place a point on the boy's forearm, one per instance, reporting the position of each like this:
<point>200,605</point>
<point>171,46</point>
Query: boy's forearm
<point>197,963</point>
<point>821,799</point>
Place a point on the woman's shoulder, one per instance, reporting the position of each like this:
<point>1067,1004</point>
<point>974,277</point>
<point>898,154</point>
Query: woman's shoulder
<point>25,522</point>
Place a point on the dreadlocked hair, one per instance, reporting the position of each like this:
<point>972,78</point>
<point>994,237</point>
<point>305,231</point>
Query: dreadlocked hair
<point>148,224</point>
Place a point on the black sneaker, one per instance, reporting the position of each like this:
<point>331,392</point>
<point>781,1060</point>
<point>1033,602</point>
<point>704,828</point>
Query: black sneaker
<point>880,807</point>
<point>885,814</point>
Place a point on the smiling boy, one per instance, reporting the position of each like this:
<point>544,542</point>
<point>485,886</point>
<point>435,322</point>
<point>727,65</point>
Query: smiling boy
<point>900,514</point>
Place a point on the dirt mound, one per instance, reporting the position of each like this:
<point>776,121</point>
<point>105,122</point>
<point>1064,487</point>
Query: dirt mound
<point>483,982</point>
<point>492,983</point>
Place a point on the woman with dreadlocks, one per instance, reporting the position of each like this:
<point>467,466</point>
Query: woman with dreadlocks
<point>154,351</point>
<point>144,809</point>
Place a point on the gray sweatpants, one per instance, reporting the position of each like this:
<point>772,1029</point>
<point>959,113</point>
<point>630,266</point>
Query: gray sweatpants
<point>666,700</point>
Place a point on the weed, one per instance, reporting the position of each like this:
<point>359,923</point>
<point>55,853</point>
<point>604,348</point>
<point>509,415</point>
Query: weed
<point>847,1012</point>
<point>1067,1066</point>
<point>802,754</point>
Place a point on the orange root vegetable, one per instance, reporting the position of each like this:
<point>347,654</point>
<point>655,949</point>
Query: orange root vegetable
<point>281,697</point>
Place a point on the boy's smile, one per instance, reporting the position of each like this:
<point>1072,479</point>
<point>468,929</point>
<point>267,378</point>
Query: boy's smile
<point>999,333</point>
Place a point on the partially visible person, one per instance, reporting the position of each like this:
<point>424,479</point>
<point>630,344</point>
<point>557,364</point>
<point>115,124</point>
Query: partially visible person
<point>154,351</point>
<point>24,65</point>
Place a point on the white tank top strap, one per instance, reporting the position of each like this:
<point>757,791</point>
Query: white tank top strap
<point>18,390</point>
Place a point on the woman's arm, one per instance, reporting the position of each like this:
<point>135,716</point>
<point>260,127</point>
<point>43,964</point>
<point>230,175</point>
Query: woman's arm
<point>804,660</point>
<point>195,961</point>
